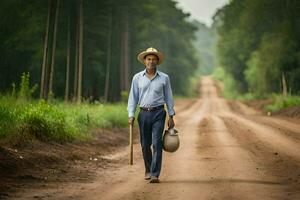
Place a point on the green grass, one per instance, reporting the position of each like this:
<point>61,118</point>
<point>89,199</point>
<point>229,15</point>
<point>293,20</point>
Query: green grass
<point>230,92</point>
<point>21,120</point>
<point>281,102</point>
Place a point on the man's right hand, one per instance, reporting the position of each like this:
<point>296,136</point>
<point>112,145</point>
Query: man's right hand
<point>131,120</point>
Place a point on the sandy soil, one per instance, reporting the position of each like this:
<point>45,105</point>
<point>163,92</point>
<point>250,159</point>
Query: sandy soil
<point>228,151</point>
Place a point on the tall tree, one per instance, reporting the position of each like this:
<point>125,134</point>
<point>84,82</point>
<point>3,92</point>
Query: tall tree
<point>53,48</point>
<point>75,84</point>
<point>68,60</point>
<point>42,86</point>
<point>80,51</point>
<point>259,44</point>
<point>168,31</point>
<point>126,51</point>
<point>108,56</point>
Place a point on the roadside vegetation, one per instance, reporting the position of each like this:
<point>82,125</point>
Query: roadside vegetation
<point>80,54</point>
<point>23,118</point>
<point>258,51</point>
<point>280,102</point>
<point>229,91</point>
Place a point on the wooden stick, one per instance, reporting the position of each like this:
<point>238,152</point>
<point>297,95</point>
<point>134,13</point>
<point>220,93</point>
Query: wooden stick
<point>130,144</point>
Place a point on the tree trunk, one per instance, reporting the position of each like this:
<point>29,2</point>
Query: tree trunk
<point>284,86</point>
<point>108,58</point>
<point>80,51</point>
<point>124,65</point>
<point>126,53</point>
<point>68,62</point>
<point>53,49</point>
<point>76,57</point>
<point>42,89</point>
<point>122,53</point>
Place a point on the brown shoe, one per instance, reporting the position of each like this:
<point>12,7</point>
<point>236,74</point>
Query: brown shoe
<point>147,176</point>
<point>154,179</point>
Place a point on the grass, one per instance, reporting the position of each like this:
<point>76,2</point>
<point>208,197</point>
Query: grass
<point>281,102</point>
<point>230,92</point>
<point>22,120</point>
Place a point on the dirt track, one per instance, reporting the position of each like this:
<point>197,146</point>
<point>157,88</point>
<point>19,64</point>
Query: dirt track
<point>226,153</point>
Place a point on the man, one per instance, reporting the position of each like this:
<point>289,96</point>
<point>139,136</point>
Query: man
<point>151,89</point>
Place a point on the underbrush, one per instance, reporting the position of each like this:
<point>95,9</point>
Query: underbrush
<point>226,82</point>
<point>23,119</point>
<point>281,102</point>
<point>229,92</point>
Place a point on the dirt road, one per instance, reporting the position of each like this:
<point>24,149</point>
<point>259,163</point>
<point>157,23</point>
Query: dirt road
<point>226,153</point>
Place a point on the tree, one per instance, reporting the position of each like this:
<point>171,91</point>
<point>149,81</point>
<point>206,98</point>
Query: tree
<point>68,61</point>
<point>108,58</point>
<point>114,32</point>
<point>259,44</point>
<point>80,51</point>
<point>42,86</point>
<point>50,90</point>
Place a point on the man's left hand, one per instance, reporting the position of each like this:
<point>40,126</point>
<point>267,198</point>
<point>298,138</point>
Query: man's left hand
<point>171,123</point>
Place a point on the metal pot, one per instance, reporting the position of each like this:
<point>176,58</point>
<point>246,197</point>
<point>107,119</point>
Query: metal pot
<point>171,140</point>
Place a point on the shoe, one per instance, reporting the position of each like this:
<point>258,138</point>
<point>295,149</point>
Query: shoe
<point>147,176</point>
<point>154,179</point>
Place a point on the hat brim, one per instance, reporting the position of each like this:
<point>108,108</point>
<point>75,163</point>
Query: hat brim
<point>142,55</point>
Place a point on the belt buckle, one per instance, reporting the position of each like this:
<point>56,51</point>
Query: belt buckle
<point>148,109</point>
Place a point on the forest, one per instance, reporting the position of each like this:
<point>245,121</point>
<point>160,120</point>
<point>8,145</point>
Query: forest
<point>259,46</point>
<point>70,130</point>
<point>67,65</point>
<point>74,49</point>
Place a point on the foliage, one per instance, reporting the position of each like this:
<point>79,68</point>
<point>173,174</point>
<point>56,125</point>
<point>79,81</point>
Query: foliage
<point>124,96</point>
<point>259,42</point>
<point>25,92</point>
<point>205,46</point>
<point>193,90</point>
<point>7,120</point>
<point>229,89</point>
<point>281,102</point>
<point>57,121</point>
<point>23,32</point>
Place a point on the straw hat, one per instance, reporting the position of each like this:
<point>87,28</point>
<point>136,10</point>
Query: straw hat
<point>153,51</point>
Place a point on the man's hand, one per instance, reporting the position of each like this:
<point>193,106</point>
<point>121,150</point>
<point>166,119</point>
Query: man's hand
<point>131,120</point>
<point>171,123</point>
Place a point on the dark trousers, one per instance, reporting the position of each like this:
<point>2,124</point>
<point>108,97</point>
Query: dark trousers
<point>151,126</point>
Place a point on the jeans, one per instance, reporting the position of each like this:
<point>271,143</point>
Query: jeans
<point>151,126</point>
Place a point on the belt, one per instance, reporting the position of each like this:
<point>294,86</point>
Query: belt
<point>151,109</point>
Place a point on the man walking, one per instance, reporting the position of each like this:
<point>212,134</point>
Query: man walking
<point>151,89</point>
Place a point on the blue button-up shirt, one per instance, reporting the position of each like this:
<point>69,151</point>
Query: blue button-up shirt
<point>153,92</point>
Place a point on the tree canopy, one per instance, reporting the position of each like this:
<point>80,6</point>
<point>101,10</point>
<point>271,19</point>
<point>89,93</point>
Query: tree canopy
<point>113,33</point>
<point>259,44</point>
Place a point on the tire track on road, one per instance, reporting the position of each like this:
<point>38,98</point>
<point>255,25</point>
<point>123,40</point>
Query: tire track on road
<point>269,162</point>
<point>270,135</point>
<point>233,169</point>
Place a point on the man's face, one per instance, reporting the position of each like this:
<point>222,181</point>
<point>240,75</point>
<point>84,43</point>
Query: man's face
<point>150,61</point>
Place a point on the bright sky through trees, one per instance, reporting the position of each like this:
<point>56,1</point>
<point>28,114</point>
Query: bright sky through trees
<point>202,10</point>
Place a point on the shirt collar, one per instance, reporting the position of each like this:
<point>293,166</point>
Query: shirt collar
<point>157,72</point>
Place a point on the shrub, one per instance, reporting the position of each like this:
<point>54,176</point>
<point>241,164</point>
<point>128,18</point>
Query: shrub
<point>281,102</point>
<point>56,121</point>
<point>25,92</point>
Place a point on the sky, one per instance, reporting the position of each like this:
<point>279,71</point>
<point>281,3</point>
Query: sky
<point>202,10</point>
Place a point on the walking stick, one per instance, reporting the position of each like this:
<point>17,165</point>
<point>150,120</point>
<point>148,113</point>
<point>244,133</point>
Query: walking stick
<point>130,144</point>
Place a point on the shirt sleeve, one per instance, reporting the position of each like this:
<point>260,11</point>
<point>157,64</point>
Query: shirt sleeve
<point>133,98</point>
<point>169,97</point>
